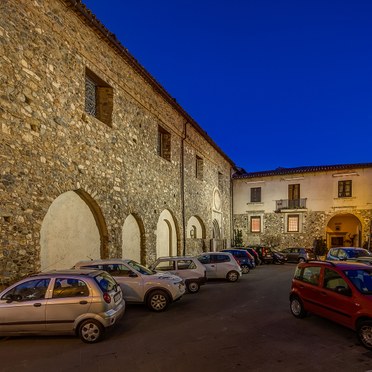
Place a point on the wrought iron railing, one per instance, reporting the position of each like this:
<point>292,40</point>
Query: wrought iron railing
<point>290,204</point>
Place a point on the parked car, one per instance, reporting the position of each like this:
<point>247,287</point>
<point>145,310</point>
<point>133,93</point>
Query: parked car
<point>278,257</point>
<point>298,254</point>
<point>339,291</point>
<point>264,253</point>
<point>81,302</point>
<point>221,265</point>
<point>245,260</point>
<point>190,269</point>
<point>346,253</point>
<point>140,284</point>
<point>254,254</point>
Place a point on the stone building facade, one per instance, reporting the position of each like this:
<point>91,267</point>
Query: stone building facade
<point>295,207</point>
<point>97,159</point>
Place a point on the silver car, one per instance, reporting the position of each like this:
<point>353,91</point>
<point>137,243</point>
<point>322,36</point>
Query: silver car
<point>189,268</point>
<point>140,284</point>
<point>221,265</point>
<point>82,302</point>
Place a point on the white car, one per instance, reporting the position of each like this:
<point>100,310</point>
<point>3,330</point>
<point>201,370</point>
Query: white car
<point>140,284</point>
<point>189,268</point>
<point>221,265</point>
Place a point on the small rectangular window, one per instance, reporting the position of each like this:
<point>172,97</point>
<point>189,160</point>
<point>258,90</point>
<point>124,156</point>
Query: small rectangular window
<point>293,223</point>
<point>344,189</point>
<point>98,98</point>
<point>256,224</point>
<point>164,143</point>
<point>199,167</point>
<point>255,194</point>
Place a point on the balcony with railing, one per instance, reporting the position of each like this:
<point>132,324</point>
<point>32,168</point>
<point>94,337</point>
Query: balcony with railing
<point>290,204</point>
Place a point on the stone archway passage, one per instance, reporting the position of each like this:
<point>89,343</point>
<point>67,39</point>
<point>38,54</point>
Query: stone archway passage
<point>166,235</point>
<point>344,230</point>
<point>69,233</point>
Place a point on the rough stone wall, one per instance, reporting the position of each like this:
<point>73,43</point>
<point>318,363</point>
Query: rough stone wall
<point>49,145</point>
<point>314,227</point>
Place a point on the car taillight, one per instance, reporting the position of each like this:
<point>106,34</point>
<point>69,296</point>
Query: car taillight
<point>107,297</point>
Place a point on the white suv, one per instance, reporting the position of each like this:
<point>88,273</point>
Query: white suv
<point>188,268</point>
<point>140,284</point>
<point>221,265</point>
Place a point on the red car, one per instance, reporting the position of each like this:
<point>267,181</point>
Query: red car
<point>339,291</point>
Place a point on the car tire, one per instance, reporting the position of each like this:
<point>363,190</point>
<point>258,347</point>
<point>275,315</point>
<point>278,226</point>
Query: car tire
<point>245,269</point>
<point>364,332</point>
<point>193,286</point>
<point>91,331</point>
<point>297,308</point>
<point>232,276</point>
<point>158,300</point>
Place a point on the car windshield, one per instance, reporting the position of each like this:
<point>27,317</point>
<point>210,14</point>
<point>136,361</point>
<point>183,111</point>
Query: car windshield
<point>352,253</point>
<point>141,269</point>
<point>362,279</point>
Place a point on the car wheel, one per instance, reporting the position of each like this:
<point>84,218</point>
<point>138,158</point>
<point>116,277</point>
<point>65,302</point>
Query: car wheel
<point>297,308</point>
<point>245,269</point>
<point>193,287</point>
<point>364,332</point>
<point>301,259</point>
<point>91,331</point>
<point>232,276</point>
<point>158,301</point>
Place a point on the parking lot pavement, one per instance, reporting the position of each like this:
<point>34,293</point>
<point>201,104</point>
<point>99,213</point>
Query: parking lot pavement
<point>244,326</point>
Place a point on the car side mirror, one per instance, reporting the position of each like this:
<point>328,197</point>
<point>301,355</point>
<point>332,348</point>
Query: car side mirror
<point>132,274</point>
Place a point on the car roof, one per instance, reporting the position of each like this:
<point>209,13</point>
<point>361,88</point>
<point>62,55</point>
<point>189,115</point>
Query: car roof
<point>102,261</point>
<point>71,272</point>
<point>343,265</point>
<point>175,257</point>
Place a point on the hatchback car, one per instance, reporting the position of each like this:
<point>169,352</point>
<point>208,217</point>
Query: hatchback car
<point>254,254</point>
<point>264,253</point>
<point>245,260</point>
<point>346,253</point>
<point>298,254</point>
<point>190,269</point>
<point>221,265</point>
<point>339,291</point>
<point>140,284</point>
<point>82,302</point>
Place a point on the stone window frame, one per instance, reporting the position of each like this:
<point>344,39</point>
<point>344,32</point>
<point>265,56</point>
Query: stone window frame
<point>345,189</point>
<point>164,143</point>
<point>251,224</point>
<point>199,167</point>
<point>290,227</point>
<point>99,98</point>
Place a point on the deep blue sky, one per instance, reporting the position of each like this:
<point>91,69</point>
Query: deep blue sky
<point>275,83</point>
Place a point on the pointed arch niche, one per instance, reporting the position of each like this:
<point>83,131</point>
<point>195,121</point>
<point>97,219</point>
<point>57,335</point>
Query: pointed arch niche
<point>195,228</point>
<point>166,235</point>
<point>132,241</point>
<point>73,229</point>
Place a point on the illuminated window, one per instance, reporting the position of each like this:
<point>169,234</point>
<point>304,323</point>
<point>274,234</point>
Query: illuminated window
<point>293,223</point>
<point>256,224</point>
<point>344,189</point>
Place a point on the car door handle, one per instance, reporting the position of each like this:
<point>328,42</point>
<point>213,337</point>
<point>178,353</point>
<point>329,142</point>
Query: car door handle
<point>83,302</point>
<point>37,304</point>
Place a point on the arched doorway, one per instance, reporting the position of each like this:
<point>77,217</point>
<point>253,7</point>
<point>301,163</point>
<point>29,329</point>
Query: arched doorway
<point>131,239</point>
<point>195,228</point>
<point>70,231</point>
<point>344,230</point>
<point>166,235</point>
